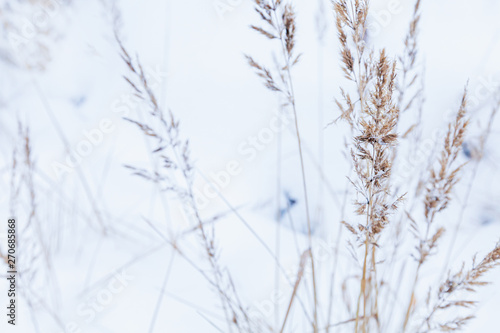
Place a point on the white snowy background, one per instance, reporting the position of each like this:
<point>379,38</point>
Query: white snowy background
<point>65,78</point>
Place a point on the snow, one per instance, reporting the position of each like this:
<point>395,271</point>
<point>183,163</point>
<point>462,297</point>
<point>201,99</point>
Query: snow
<point>194,55</point>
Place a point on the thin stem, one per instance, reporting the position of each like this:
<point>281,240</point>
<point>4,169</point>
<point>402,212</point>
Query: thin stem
<point>304,183</point>
<point>484,139</point>
<point>417,275</point>
<point>278,228</point>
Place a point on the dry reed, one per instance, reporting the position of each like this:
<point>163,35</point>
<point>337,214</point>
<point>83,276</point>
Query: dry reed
<point>378,92</point>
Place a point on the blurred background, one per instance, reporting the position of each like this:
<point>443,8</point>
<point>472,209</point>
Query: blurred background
<point>92,247</point>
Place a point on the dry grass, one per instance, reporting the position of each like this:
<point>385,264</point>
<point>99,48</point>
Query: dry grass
<point>379,91</point>
<point>381,289</point>
<point>373,114</point>
<point>174,157</point>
